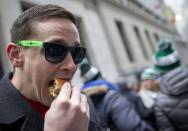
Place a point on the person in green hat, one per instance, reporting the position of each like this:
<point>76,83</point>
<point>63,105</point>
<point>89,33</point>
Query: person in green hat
<point>149,89</point>
<point>149,86</point>
<point>166,57</point>
<point>171,106</point>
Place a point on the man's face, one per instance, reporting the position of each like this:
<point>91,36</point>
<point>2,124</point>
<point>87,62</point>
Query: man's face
<point>37,70</point>
<point>150,85</point>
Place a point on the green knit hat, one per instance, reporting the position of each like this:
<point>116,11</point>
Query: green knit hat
<point>166,58</point>
<point>88,72</point>
<point>149,74</point>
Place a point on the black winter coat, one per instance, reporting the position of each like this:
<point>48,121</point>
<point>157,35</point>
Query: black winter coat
<point>171,107</point>
<point>16,114</point>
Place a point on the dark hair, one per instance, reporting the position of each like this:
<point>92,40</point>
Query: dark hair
<point>23,27</point>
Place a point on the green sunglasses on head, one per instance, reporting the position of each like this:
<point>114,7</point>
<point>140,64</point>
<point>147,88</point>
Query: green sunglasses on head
<point>56,52</point>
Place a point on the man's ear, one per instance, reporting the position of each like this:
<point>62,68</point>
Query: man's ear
<point>15,54</point>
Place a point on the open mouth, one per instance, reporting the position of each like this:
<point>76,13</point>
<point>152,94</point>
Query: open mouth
<point>55,86</point>
<point>51,83</point>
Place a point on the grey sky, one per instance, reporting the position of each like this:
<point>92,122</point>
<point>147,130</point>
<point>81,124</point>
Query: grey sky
<point>176,5</point>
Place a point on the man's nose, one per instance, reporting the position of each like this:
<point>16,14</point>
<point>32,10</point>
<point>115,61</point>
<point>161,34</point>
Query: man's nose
<point>68,62</point>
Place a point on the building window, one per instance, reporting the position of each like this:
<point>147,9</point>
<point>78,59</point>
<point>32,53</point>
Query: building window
<point>149,40</point>
<point>156,37</point>
<point>144,51</point>
<point>125,40</point>
<point>80,27</point>
<point>83,35</point>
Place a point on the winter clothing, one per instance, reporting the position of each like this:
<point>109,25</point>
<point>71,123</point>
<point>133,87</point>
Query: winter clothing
<point>149,74</point>
<point>147,92</point>
<point>17,114</point>
<point>148,98</point>
<point>88,72</point>
<point>171,108</point>
<point>98,86</point>
<point>145,113</point>
<point>114,110</point>
<point>129,94</point>
<point>166,58</point>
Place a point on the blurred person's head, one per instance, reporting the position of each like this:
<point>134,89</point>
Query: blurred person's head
<point>89,72</point>
<point>166,57</point>
<point>45,45</point>
<point>135,86</point>
<point>122,86</point>
<point>148,79</point>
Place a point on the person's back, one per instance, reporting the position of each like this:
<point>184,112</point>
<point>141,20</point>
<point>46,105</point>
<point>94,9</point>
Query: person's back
<point>135,99</point>
<point>171,108</point>
<point>170,105</point>
<point>130,94</point>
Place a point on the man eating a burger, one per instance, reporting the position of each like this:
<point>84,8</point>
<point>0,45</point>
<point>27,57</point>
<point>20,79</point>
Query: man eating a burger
<point>44,51</point>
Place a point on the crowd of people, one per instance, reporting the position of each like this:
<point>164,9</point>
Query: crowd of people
<point>158,104</point>
<point>45,46</point>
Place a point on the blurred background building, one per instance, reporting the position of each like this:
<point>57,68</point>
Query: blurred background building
<point>120,35</point>
<point>184,18</point>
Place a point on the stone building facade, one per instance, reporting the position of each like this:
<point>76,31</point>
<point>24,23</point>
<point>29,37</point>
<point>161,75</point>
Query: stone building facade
<point>120,35</point>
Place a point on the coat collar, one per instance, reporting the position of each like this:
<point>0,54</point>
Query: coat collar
<point>13,106</point>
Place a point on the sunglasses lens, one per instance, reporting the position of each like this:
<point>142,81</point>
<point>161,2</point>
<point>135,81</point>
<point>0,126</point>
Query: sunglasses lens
<point>78,54</point>
<point>55,53</point>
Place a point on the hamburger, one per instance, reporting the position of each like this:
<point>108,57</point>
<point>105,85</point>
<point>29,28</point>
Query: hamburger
<point>56,87</point>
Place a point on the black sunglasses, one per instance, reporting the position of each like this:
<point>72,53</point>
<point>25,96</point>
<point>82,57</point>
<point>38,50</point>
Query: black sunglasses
<point>56,52</point>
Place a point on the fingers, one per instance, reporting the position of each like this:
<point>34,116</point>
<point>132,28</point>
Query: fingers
<point>70,111</point>
<point>80,100</point>
<point>73,96</point>
<point>84,105</point>
<point>65,92</point>
<point>76,95</point>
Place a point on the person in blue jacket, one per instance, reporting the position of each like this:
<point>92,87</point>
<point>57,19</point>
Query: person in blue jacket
<point>114,110</point>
